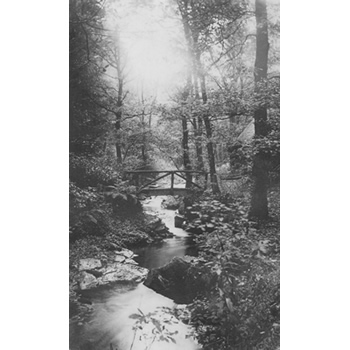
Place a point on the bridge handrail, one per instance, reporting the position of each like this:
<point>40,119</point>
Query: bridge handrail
<point>165,171</point>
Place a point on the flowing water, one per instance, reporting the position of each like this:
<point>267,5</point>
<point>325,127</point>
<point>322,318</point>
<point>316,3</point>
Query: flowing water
<point>107,325</point>
<point>160,254</point>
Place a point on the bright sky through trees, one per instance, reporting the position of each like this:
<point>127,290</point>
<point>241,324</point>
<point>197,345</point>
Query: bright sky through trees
<point>152,41</point>
<point>155,56</point>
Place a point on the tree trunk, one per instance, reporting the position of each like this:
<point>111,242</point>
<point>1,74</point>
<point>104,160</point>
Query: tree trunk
<point>186,151</point>
<point>144,136</point>
<point>117,144</point>
<point>185,133</point>
<point>259,204</point>
<point>197,138</point>
<point>211,156</point>
<point>210,147</point>
<point>119,104</point>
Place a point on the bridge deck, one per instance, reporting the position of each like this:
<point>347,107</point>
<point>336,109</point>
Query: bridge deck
<point>148,189</point>
<point>177,191</point>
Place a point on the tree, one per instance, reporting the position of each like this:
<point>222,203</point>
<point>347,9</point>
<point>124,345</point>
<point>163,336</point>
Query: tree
<point>193,25</point>
<point>88,123</point>
<point>259,204</point>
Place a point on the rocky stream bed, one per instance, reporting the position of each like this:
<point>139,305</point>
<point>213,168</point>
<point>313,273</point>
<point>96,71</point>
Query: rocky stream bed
<point>107,292</point>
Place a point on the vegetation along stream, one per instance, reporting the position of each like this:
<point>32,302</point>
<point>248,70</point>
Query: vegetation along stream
<point>107,324</point>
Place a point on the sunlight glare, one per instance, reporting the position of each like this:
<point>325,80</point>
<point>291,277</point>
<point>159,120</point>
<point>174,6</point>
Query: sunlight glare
<point>155,64</point>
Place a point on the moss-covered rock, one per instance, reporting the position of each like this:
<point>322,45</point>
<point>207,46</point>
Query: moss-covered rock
<point>182,279</point>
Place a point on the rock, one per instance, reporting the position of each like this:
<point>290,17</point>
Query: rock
<point>128,271</point>
<point>130,261</point>
<point>178,221</point>
<point>156,227</point>
<point>125,252</point>
<point>171,203</point>
<point>181,280</point>
<point>95,273</point>
<point>161,229</point>
<point>124,273</point>
<point>89,264</point>
<point>152,222</point>
<point>86,281</point>
<point>119,258</point>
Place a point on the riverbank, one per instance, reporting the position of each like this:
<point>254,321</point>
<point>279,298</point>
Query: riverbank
<point>101,318</point>
<point>240,305</point>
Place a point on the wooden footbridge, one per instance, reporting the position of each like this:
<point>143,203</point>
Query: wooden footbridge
<point>147,186</point>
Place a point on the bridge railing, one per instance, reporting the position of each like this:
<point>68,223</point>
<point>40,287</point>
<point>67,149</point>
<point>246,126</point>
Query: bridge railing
<point>184,174</point>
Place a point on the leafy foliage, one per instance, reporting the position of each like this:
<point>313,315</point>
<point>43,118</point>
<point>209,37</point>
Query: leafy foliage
<point>90,171</point>
<point>155,326</point>
<point>82,198</point>
<point>87,122</point>
<point>241,309</point>
<point>207,215</point>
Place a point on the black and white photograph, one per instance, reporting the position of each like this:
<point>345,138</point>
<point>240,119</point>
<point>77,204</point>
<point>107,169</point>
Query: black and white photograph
<point>174,173</point>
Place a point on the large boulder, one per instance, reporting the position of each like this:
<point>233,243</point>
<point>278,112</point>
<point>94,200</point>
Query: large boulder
<point>89,264</point>
<point>92,273</point>
<point>182,279</point>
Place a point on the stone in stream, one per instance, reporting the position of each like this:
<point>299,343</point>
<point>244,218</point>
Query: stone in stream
<point>86,281</point>
<point>152,221</point>
<point>123,273</point>
<point>179,220</point>
<point>124,269</point>
<point>182,279</point>
<point>130,261</point>
<point>119,258</point>
<point>125,252</point>
<point>156,227</point>
<point>89,264</point>
<point>171,202</point>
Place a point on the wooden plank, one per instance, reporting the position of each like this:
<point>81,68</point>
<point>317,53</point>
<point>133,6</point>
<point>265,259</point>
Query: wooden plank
<point>164,171</point>
<point>165,191</point>
<point>153,181</point>
<point>148,171</point>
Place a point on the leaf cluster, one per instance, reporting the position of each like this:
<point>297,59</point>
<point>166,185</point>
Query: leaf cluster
<point>155,326</point>
<point>241,309</point>
<point>90,171</point>
<point>209,215</point>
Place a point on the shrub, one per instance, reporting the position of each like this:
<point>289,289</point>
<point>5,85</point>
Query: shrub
<point>210,214</point>
<point>241,309</point>
<point>88,171</point>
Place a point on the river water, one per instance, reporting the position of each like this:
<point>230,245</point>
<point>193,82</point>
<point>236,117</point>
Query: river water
<point>159,254</point>
<point>107,325</point>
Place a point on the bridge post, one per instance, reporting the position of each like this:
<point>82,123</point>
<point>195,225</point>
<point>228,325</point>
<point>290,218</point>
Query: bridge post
<point>172,183</point>
<point>137,184</point>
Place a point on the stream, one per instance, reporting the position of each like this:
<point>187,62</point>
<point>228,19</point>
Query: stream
<point>107,325</point>
<point>159,254</point>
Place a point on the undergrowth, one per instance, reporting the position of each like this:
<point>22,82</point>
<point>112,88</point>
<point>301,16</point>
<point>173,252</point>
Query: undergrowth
<point>241,309</point>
